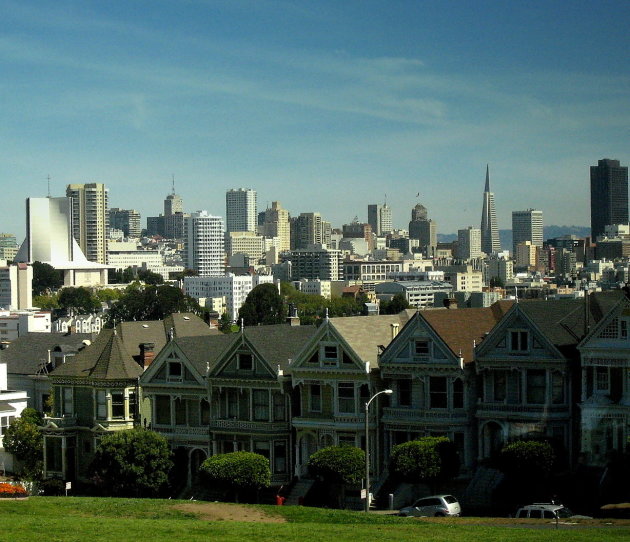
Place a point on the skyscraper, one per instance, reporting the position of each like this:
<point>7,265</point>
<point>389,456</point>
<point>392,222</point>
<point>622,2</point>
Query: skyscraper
<point>127,220</point>
<point>469,243</point>
<point>240,210</point>
<point>423,229</point>
<point>277,225</point>
<point>527,226</point>
<point>203,244</point>
<point>309,229</point>
<point>609,195</point>
<point>490,242</point>
<point>90,219</point>
<point>380,218</point>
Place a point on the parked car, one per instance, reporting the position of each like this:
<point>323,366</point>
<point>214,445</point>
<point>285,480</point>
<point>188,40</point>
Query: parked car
<point>433,506</point>
<point>544,510</point>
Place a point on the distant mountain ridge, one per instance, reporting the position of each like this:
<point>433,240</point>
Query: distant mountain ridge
<point>549,232</point>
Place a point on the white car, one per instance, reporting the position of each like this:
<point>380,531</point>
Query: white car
<point>544,510</point>
<point>433,506</point>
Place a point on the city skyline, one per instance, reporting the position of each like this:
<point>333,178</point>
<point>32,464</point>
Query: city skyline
<point>315,105</point>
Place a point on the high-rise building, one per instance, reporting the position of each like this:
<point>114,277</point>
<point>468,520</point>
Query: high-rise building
<point>469,243</point>
<point>380,218</point>
<point>240,210</point>
<point>527,226</point>
<point>423,229</point>
<point>127,220</point>
<point>173,203</point>
<point>490,241</point>
<point>277,225</point>
<point>90,219</point>
<point>309,229</point>
<point>203,244</point>
<point>609,195</point>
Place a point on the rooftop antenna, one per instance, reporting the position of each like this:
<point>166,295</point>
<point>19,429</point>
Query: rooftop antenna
<point>48,178</point>
<point>386,200</point>
<point>173,180</point>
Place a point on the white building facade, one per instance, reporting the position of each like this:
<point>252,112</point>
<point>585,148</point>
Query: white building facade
<point>203,244</point>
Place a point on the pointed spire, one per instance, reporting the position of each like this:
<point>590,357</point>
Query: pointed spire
<point>487,178</point>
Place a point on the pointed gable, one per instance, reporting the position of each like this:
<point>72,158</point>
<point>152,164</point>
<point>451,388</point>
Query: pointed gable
<point>613,329</point>
<point>105,359</point>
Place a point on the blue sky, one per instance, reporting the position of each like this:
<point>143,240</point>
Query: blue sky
<point>323,105</point>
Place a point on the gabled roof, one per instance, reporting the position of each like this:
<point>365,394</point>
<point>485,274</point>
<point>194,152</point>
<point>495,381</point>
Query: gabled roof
<point>462,328</point>
<point>134,334</point>
<point>365,334</point>
<point>105,359</point>
<point>276,344</point>
<point>25,355</point>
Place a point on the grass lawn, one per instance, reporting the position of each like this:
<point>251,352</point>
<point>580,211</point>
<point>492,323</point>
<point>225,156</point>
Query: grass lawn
<point>52,519</point>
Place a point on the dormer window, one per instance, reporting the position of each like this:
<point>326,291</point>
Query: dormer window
<point>245,362</point>
<point>421,348</point>
<point>174,370</point>
<point>519,341</point>
<point>329,354</point>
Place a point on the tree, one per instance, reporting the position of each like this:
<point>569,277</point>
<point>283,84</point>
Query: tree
<point>46,302</point>
<point>527,458</point>
<point>238,472</point>
<point>527,465</point>
<point>133,462</point>
<point>149,277</point>
<point>78,299</point>
<point>427,460</point>
<point>338,466</point>
<point>263,305</point>
<point>45,278</point>
<point>24,440</point>
<point>397,304</point>
<point>225,323</point>
<point>151,303</point>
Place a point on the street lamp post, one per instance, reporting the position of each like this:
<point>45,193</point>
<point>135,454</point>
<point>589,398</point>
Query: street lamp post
<point>367,447</point>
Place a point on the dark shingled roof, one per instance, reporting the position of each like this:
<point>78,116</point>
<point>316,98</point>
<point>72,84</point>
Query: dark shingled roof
<point>26,354</point>
<point>276,344</point>
<point>105,359</point>
<point>462,328</point>
<point>134,334</point>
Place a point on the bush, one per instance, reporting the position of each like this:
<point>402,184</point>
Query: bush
<point>426,460</point>
<point>133,463</point>
<point>11,491</point>
<point>526,458</point>
<point>240,472</point>
<point>53,487</point>
<point>338,464</point>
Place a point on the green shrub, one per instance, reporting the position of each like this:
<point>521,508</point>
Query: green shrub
<point>239,472</point>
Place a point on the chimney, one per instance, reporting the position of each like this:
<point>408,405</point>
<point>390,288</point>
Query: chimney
<point>394,330</point>
<point>147,353</point>
<point>293,319</point>
<point>450,303</point>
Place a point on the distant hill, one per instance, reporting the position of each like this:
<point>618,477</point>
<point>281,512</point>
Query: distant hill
<point>549,232</point>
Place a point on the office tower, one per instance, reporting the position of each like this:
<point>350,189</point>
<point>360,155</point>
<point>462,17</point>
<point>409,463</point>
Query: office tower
<point>527,226</point>
<point>173,203</point>
<point>16,286</point>
<point>240,210</point>
<point>127,220</point>
<point>203,244</point>
<point>380,218</point>
<point>309,229</point>
<point>419,212</point>
<point>277,225</point>
<point>358,230</point>
<point>490,242</point>
<point>90,219</point>
<point>469,243</point>
<point>423,229</point>
<point>609,195</point>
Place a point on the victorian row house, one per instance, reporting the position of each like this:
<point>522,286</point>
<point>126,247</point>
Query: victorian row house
<point>481,377</point>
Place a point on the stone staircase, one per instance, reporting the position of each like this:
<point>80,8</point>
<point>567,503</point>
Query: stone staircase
<point>299,491</point>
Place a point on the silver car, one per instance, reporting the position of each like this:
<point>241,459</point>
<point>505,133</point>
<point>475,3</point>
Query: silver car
<point>433,506</point>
